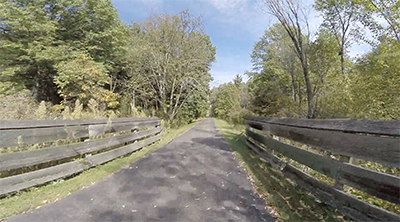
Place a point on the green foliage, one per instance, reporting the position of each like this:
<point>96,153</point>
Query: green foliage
<point>225,98</point>
<point>340,85</point>
<point>377,75</point>
<point>340,18</point>
<point>40,38</point>
<point>93,26</point>
<point>26,44</point>
<point>373,200</point>
<point>237,116</point>
<point>82,78</point>
<point>276,86</point>
<point>230,101</point>
<point>169,58</point>
<point>367,87</point>
<point>372,14</point>
<point>332,94</point>
<point>93,106</point>
<point>68,50</point>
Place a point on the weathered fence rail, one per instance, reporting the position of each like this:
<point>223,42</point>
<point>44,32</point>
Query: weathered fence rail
<point>375,141</point>
<point>25,169</point>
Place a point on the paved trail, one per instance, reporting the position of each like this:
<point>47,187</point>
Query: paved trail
<point>193,178</point>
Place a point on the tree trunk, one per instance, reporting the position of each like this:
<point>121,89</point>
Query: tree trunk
<point>299,93</point>
<point>293,86</point>
<point>133,105</point>
<point>310,113</point>
<point>342,57</point>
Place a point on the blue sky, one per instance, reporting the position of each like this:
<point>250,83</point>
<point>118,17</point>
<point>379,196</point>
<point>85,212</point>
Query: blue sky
<point>233,26</point>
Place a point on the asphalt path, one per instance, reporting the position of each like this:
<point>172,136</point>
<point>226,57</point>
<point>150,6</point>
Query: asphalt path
<point>193,178</point>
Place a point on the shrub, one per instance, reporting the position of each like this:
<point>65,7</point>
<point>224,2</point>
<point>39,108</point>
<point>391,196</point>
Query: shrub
<point>20,105</point>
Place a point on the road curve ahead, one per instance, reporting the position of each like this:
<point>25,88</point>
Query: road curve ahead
<point>193,178</point>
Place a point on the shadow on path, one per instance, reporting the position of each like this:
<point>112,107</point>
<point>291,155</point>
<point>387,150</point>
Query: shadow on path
<point>193,178</point>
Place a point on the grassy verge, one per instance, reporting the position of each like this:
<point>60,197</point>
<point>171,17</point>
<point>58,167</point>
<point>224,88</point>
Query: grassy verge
<point>288,201</point>
<point>36,197</point>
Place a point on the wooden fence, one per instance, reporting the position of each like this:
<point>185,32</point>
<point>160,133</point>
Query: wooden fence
<point>375,141</point>
<point>93,142</point>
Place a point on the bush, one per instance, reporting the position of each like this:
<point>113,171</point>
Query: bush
<point>23,106</point>
<point>237,116</point>
<point>20,105</point>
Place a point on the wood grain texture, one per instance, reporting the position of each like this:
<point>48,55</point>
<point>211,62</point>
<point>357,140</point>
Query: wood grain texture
<point>275,161</point>
<point>100,129</point>
<point>377,127</point>
<point>39,177</point>
<point>321,164</point>
<point>13,161</point>
<point>10,138</point>
<point>352,207</point>
<point>23,181</point>
<point>384,150</point>
<point>26,124</point>
<point>116,141</point>
<point>18,160</point>
<point>381,185</point>
<point>122,151</point>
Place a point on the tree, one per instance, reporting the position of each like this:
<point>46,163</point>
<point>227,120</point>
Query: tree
<point>388,10</point>
<point>277,89</point>
<point>291,16</point>
<point>377,75</point>
<point>27,51</point>
<point>275,61</point>
<point>37,35</point>
<point>340,17</point>
<point>331,88</point>
<point>93,26</point>
<point>276,44</point>
<point>169,58</point>
<point>228,101</point>
<point>238,81</point>
<point>83,78</point>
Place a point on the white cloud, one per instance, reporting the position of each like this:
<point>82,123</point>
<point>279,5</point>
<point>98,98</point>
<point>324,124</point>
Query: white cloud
<point>244,15</point>
<point>234,26</point>
<point>227,6</point>
<point>227,66</point>
<point>252,16</point>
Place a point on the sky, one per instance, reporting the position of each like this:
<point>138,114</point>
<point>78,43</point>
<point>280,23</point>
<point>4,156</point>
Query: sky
<point>234,26</point>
